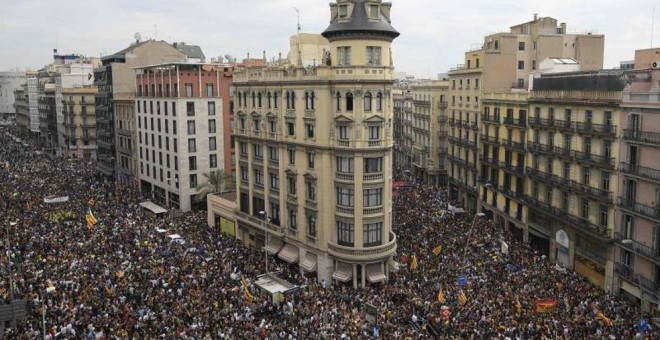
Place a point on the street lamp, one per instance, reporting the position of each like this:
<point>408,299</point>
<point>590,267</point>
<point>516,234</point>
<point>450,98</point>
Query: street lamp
<point>43,294</point>
<point>474,221</point>
<point>264,216</point>
<point>11,277</point>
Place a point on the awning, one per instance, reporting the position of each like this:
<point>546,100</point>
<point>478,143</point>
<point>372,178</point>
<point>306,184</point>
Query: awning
<point>375,272</point>
<point>274,245</point>
<point>154,208</point>
<point>309,263</point>
<point>343,273</point>
<point>289,253</point>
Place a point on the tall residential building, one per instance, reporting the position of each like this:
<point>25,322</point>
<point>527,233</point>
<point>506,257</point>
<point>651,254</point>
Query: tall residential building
<point>116,78</point>
<point>179,129</point>
<point>9,82</point>
<point>79,122</point>
<point>503,64</point>
<point>33,104</point>
<point>22,108</point>
<point>637,254</point>
<point>47,113</point>
<point>429,131</point>
<point>314,152</point>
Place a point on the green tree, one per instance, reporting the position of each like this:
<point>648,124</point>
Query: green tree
<point>216,181</point>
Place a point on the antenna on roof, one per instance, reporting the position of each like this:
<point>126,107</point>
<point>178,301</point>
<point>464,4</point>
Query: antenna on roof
<point>652,25</point>
<point>298,37</point>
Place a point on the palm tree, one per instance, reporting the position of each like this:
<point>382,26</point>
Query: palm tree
<point>216,181</point>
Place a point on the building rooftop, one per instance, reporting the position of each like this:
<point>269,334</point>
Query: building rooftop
<point>191,51</point>
<point>603,80</point>
<point>359,22</point>
<point>122,53</point>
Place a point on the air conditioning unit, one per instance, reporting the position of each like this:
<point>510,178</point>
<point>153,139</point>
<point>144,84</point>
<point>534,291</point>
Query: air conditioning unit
<point>655,64</point>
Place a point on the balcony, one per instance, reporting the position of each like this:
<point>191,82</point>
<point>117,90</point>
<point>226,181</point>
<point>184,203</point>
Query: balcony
<point>517,146</point>
<point>563,125</point>
<point>539,123</point>
<point>452,122</point>
<point>601,232</point>
<point>596,160</point>
<point>471,145</point>
<point>442,119</point>
<point>344,143</point>
<point>372,210</point>
<point>124,132</point>
<point>372,177</point>
<point>641,171</point>
<point>490,140</point>
<point>562,153</point>
<point>490,119</point>
<point>363,254</point>
<point>344,176</point>
<point>623,270</point>
<point>577,188</point>
<point>345,210</point>
<point>540,149</point>
<point>596,129</point>
<point>488,161</point>
<point>515,122</point>
<point>375,143</point>
<point>474,126</point>
<point>640,209</point>
<point>649,285</point>
<point>259,223</point>
<point>516,170</point>
<point>651,253</point>
<point>642,136</point>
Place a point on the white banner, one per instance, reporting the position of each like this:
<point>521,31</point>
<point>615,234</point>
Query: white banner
<point>53,199</point>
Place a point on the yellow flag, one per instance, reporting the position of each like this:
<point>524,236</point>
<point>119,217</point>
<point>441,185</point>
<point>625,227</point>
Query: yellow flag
<point>413,263</point>
<point>437,250</point>
<point>462,298</point>
<point>441,297</point>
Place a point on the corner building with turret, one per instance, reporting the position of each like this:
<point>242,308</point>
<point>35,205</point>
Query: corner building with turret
<point>314,142</point>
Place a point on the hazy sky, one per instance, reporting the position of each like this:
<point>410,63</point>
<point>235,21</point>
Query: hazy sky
<point>434,33</point>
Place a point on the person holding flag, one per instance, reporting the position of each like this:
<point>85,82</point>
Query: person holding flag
<point>248,296</point>
<point>441,297</point>
<point>437,250</point>
<point>413,262</point>
<point>90,218</point>
<point>462,299</point>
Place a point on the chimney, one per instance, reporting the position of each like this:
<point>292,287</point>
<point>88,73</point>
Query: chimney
<point>563,28</point>
<point>536,16</point>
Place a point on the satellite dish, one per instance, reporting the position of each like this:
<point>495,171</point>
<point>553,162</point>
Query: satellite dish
<point>137,37</point>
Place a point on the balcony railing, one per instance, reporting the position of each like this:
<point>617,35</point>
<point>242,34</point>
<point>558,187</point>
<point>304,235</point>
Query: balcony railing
<point>623,270</point>
<point>539,123</point>
<point>345,210</point>
<point>590,158</point>
<point>571,185</point>
<point>490,140</point>
<point>344,176</point>
<point>647,284</point>
<point>491,119</point>
<point>564,125</point>
<point>562,152</point>
<point>343,143</point>
<point>641,209</point>
<point>363,254</point>
<point>513,145</point>
<point>558,213</point>
<point>372,177</point>
<point>258,222</point>
<point>516,122</point>
<point>538,148</point>
<point>452,121</point>
<point>601,129</point>
<point>640,171</point>
<point>488,161</point>
<point>642,136</point>
<point>637,247</point>
<point>372,211</point>
<point>512,168</point>
<point>474,126</point>
<point>374,143</point>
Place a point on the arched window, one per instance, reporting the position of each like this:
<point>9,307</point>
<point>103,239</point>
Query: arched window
<point>309,100</point>
<point>367,102</point>
<point>349,102</point>
<point>312,100</point>
<point>379,102</point>
<point>338,98</point>
<point>240,100</point>
<point>259,99</point>
<point>275,104</point>
<point>293,100</point>
<point>254,99</point>
<point>268,98</point>
<point>288,100</point>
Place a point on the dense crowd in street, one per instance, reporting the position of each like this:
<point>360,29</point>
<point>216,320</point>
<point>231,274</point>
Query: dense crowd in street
<point>123,279</point>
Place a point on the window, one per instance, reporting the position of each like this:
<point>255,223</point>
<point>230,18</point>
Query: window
<point>275,105</point>
<point>192,163</point>
<point>349,102</point>
<point>587,145</point>
<point>310,98</point>
<point>243,148</point>
<point>254,99</point>
<point>373,234</point>
<point>311,226</point>
<point>367,102</point>
<point>605,181</point>
<point>521,46</point>
<point>604,215</point>
<point>586,176</point>
<point>193,181</point>
<point>292,156</point>
<point>212,144</point>
<point>343,11</point>
<point>565,200</point>
<point>213,161</point>
<point>344,164</point>
<point>379,102</point>
<point>273,154</point>
<point>310,160</point>
<point>374,133</point>
<point>293,219</point>
<point>345,233</point>
<point>192,145</point>
<point>310,190</point>
<point>259,177</point>
<point>259,99</point>
<point>258,151</point>
<point>585,209</point>
<point>274,181</point>
<point>272,126</point>
<point>373,197</point>
<point>374,13</point>
<point>291,100</point>
<point>521,83</point>
<point>290,128</point>
<point>343,132</point>
<point>209,90</point>
<point>291,185</point>
<point>338,101</point>
<point>244,173</point>
<point>257,124</point>
<point>345,197</point>
<point>373,165</point>
<point>190,109</point>
<point>344,55</point>
<point>607,148</point>
<point>521,64</point>
<point>174,110</point>
<point>211,106</point>
<point>241,123</point>
<point>373,55</point>
<point>189,90</point>
<point>191,127</point>
<point>309,131</point>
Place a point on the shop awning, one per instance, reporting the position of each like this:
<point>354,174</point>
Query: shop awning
<point>289,253</point>
<point>309,262</point>
<point>154,208</point>
<point>274,245</point>
<point>343,273</point>
<point>375,272</point>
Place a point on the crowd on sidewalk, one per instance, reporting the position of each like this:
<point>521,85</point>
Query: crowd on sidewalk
<point>123,279</point>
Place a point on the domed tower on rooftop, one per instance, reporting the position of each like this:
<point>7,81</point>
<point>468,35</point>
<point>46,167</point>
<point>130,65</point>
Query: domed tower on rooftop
<point>360,33</point>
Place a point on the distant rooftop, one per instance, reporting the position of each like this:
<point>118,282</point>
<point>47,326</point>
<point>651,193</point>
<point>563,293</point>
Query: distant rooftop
<point>192,51</point>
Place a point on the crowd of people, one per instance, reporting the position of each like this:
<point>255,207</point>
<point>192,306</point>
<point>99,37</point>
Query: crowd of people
<point>123,279</point>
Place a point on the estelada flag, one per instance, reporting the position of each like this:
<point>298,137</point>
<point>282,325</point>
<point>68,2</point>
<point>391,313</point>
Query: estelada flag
<point>602,317</point>
<point>437,250</point>
<point>441,297</point>
<point>413,263</point>
<point>545,306</point>
<point>518,305</point>
<point>462,298</point>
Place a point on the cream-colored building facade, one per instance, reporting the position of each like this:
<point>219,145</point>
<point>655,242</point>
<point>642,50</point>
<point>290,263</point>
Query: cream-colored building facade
<point>503,64</point>
<point>314,152</point>
<point>79,122</point>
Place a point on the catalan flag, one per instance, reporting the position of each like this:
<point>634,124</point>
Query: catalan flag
<point>90,218</point>
<point>413,263</point>
<point>462,299</point>
<point>437,250</point>
<point>602,317</point>
<point>248,296</point>
<point>518,305</point>
<point>441,297</point>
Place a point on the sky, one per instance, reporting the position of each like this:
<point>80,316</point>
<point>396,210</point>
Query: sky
<point>434,33</point>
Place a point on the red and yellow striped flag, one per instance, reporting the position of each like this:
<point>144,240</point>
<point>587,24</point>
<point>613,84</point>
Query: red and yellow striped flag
<point>437,250</point>
<point>602,317</point>
<point>462,299</point>
<point>413,263</point>
<point>441,297</point>
<point>248,296</point>
<point>518,305</point>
